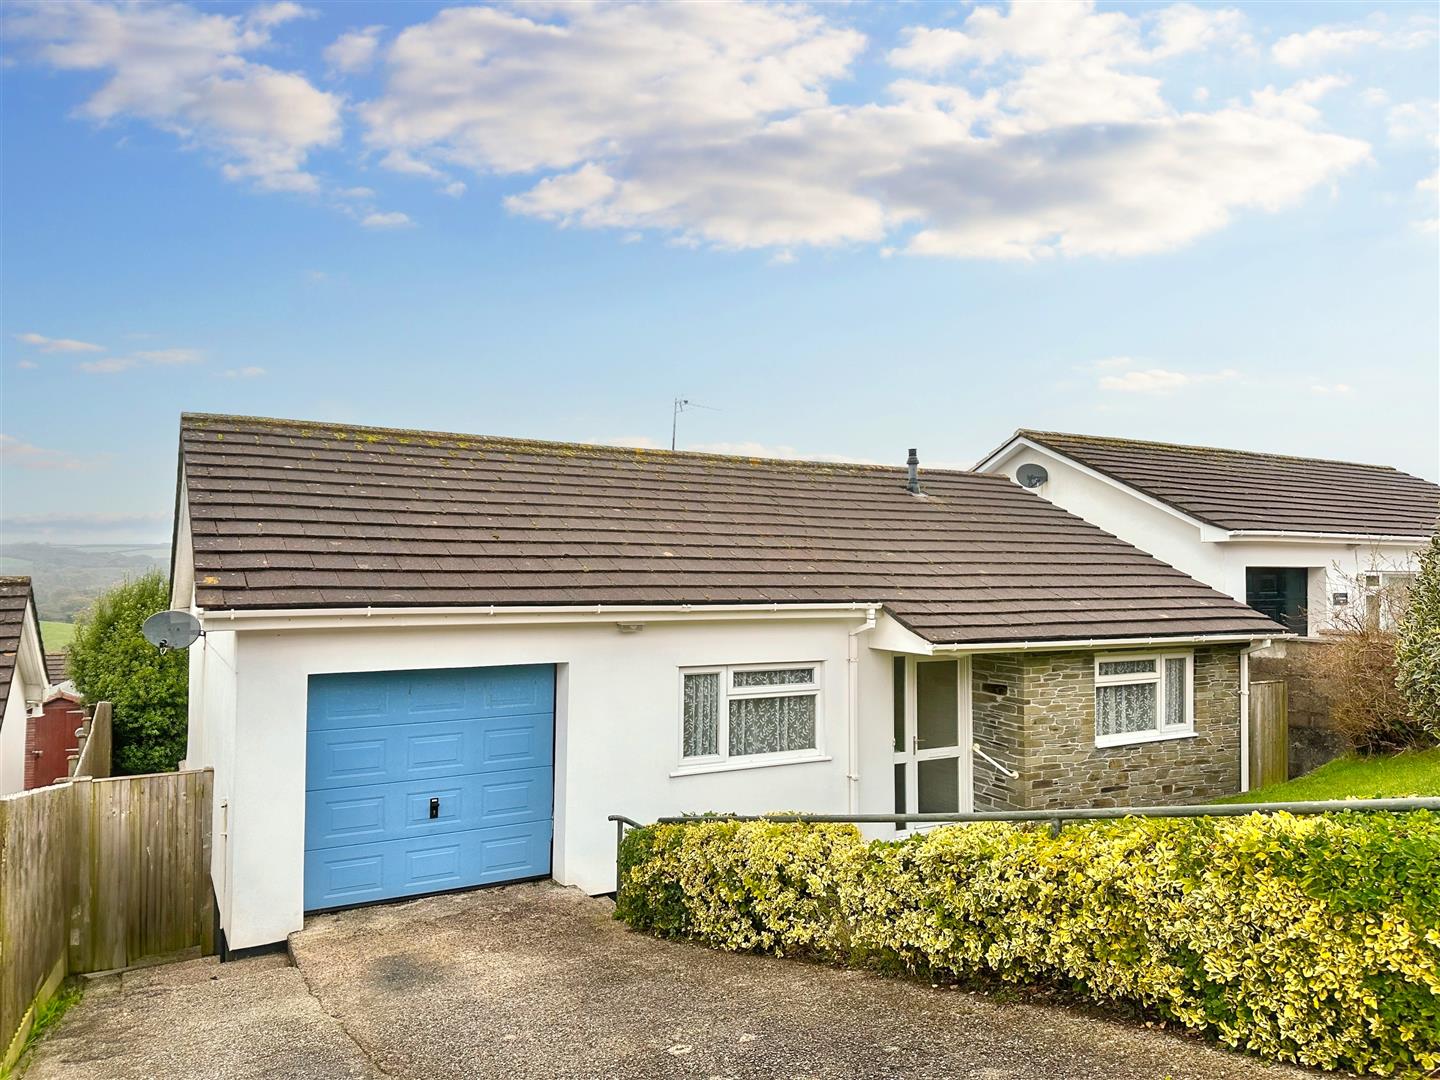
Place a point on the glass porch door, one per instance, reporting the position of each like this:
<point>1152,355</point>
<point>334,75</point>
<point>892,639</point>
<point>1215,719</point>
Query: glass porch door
<point>932,736</point>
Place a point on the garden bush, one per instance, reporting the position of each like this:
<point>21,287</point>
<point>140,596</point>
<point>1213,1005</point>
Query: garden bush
<point>1314,940</point>
<point>110,660</point>
<point>1418,648</point>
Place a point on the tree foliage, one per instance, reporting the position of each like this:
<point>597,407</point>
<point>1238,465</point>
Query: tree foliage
<point>1417,649</point>
<point>111,661</point>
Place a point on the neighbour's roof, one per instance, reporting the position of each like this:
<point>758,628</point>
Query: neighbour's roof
<point>56,667</point>
<point>14,603</point>
<point>1240,489</point>
<point>289,514</point>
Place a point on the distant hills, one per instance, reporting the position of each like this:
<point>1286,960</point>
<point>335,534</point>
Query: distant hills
<point>68,577</point>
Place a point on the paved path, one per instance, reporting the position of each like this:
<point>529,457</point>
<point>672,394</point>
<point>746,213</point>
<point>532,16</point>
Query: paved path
<point>539,981</point>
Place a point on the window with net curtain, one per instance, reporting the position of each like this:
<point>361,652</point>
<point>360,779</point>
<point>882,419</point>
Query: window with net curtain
<point>1142,697</point>
<point>749,712</point>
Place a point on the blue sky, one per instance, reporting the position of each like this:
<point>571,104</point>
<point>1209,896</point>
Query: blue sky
<point>847,229</point>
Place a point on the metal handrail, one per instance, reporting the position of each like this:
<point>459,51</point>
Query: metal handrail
<point>1096,814</point>
<point>1056,818</point>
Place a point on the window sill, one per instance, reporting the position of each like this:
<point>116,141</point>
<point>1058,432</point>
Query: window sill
<point>737,766</point>
<point>1110,742</point>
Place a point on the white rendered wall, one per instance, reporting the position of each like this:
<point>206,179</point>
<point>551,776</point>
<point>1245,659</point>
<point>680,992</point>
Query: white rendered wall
<point>617,737</point>
<point>27,683</point>
<point>12,739</point>
<point>1221,565</point>
<point>211,743</point>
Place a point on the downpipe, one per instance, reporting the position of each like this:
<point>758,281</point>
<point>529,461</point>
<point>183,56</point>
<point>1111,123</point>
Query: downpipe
<point>852,716</point>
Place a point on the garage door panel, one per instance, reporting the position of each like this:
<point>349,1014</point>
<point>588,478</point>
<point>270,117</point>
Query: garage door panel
<point>360,699</point>
<point>421,751</point>
<point>363,873</point>
<point>339,816</point>
<point>383,748</point>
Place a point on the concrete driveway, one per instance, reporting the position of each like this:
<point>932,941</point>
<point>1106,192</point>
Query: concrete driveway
<point>540,981</point>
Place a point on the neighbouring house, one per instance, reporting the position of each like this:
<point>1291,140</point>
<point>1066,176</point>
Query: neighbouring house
<point>22,678</point>
<point>434,661</point>
<point>1296,538</point>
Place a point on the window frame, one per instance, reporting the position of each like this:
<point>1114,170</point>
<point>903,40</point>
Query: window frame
<point>724,760</point>
<point>1162,731</point>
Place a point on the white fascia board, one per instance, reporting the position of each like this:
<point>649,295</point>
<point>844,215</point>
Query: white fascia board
<point>539,615</point>
<point>31,658</point>
<point>182,585</point>
<point>1295,536</point>
<point>1207,530</point>
<point>1103,643</point>
<point>890,635</point>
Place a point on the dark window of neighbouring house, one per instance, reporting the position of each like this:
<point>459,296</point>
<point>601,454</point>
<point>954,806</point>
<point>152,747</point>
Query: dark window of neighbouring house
<point>1279,592</point>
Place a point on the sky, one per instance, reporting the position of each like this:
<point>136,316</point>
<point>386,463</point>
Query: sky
<point>845,230</point>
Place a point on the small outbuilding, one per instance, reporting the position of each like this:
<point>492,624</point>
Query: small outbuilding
<point>434,661</point>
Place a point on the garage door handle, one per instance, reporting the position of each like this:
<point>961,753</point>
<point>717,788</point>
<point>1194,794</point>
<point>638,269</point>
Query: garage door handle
<point>434,809</point>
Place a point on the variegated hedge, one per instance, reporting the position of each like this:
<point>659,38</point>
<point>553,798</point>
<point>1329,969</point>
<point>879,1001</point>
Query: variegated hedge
<point>1314,940</point>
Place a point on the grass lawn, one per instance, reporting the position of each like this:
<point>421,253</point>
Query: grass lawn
<point>1411,773</point>
<point>57,635</point>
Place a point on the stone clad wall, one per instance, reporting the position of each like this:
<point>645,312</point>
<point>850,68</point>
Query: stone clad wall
<point>998,714</point>
<point>1047,720</point>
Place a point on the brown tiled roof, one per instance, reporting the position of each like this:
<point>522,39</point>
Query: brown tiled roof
<point>1238,489</point>
<point>14,602</point>
<point>287,514</point>
<point>56,667</point>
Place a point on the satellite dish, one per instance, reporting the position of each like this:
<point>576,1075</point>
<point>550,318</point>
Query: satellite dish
<point>1031,476</point>
<point>171,630</point>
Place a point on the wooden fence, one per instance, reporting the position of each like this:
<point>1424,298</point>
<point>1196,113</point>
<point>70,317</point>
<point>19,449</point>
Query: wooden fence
<point>98,874</point>
<point>92,759</point>
<point>1269,734</point>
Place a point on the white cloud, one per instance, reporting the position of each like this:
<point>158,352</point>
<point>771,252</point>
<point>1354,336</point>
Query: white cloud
<point>1331,388</point>
<point>496,89</point>
<point>169,357</point>
<point>24,455</point>
<point>58,345</point>
<point>713,124</point>
<point>187,72</point>
<point>1161,381</point>
<point>111,365</point>
<point>392,219</point>
<point>354,51</point>
<point>26,365</point>
<point>241,373</point>
<point>1324,42</point>
<point>1414,121</point>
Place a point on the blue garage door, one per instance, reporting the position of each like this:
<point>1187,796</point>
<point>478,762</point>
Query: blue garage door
<point>421,781</point>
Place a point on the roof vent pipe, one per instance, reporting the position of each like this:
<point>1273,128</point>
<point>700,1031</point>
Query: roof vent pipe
<point>913,484</point>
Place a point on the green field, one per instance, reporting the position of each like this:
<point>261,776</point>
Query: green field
<point>57,635</point>
<point>1396,777</point>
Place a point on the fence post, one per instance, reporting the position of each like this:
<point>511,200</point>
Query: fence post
<point>82,895</point>
<point>206,912</point>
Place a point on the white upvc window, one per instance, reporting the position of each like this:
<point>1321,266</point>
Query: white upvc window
<point>1144,697</point>
<point>751,714</point>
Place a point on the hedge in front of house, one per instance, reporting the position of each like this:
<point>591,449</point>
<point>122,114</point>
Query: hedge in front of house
<point>1314,940</point>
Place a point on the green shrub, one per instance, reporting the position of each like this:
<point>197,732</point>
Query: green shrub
<point>1417,649</point>
<point>111,661</point>
<point>1314,940</point>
